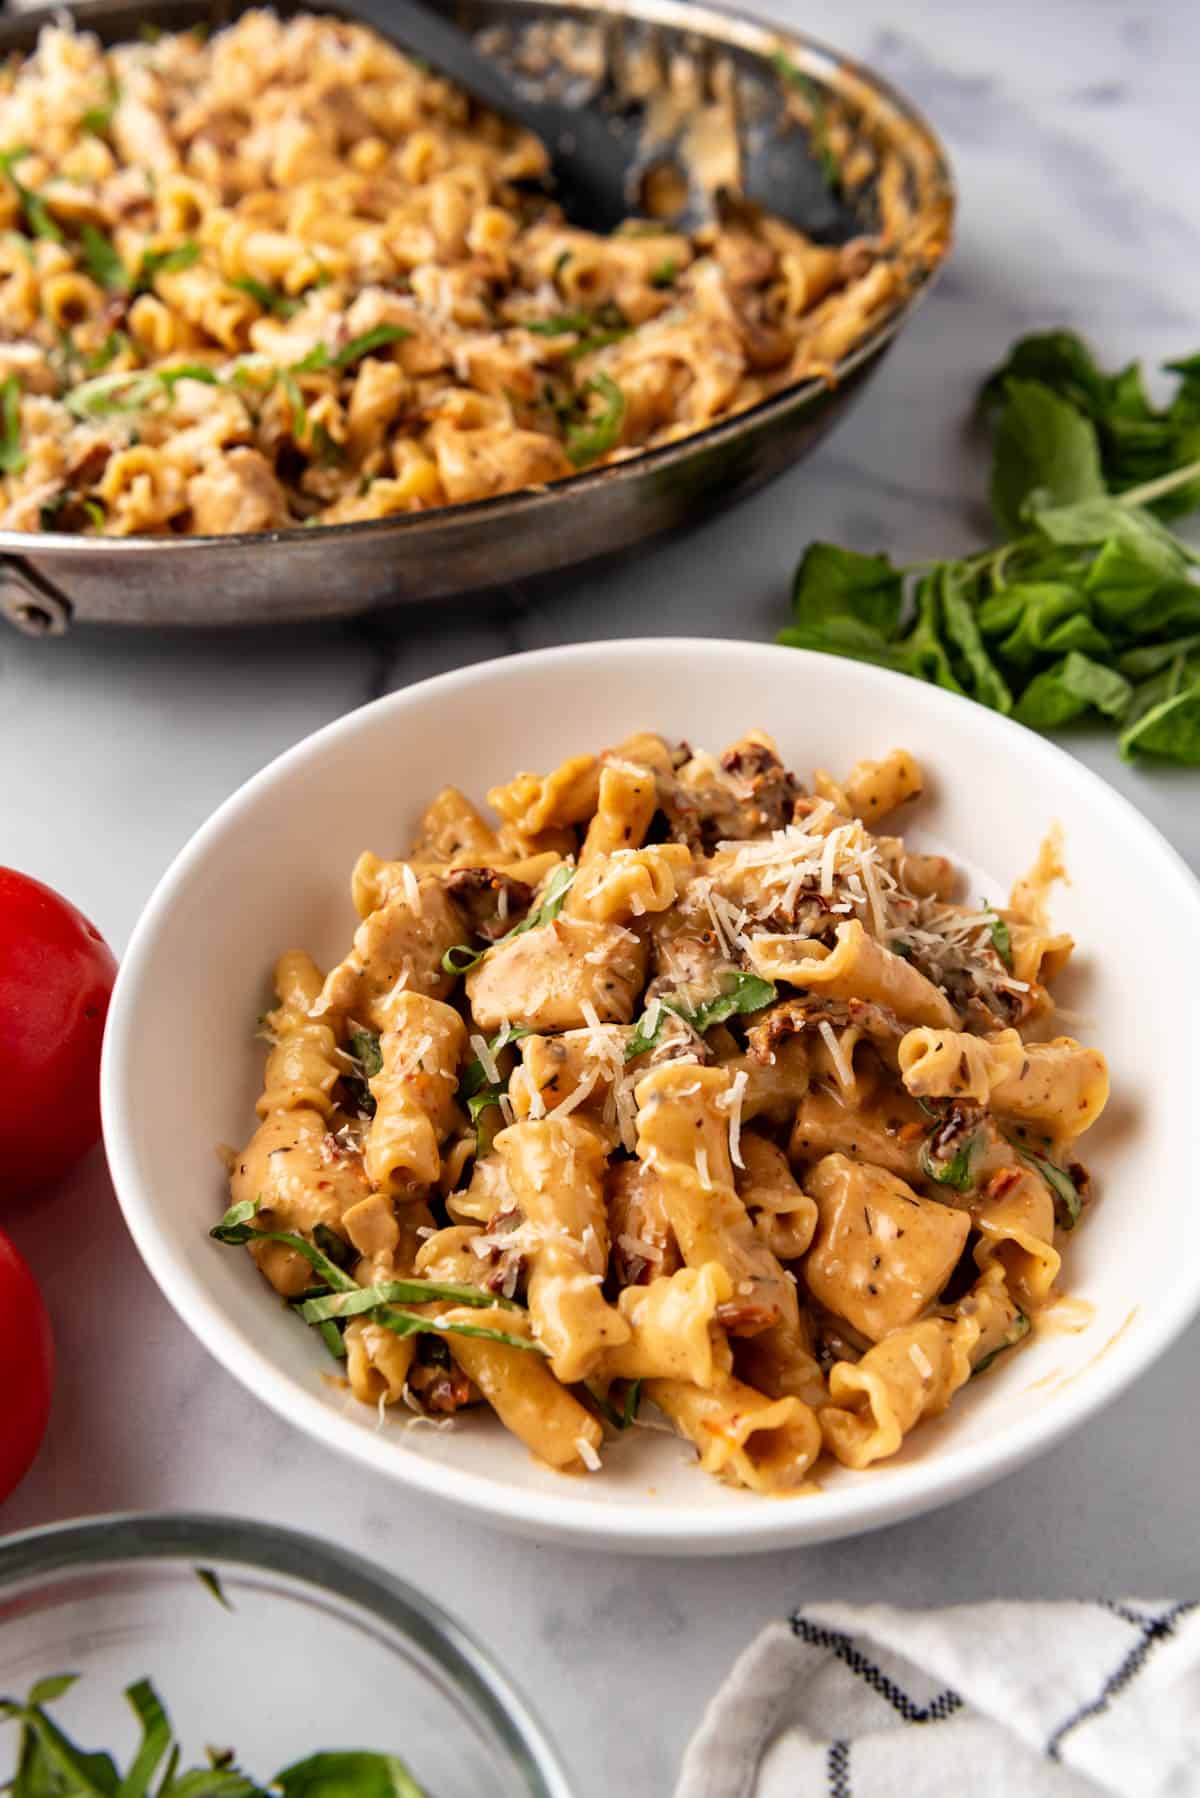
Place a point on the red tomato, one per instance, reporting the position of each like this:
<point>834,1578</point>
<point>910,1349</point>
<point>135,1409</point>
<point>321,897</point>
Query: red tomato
<point>26,1367</point>
<point>56,978</point>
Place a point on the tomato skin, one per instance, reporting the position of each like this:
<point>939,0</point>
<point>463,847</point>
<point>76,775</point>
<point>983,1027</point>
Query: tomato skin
<point>26,1367</point>
<point>56,979</point>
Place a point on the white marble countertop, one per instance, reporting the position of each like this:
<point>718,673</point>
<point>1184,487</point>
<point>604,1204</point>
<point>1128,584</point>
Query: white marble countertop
<point>1072,127</point>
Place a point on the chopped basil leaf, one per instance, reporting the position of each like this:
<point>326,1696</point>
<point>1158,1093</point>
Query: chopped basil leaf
<point>596,434</point>
<point>164,262</point>
<point>475,1074</point>
<point>461,958</point>
<point>98,119</point>
<point>480,1094</point>
<point>114,345</point>
<point>102,259</point>
<point>411,1323</point>
<point>956,1171</point>
<point>351,1774</point>
<point>12,461</point>
<point>1067,1202</point>
<point>131,389</point>
<point>32,204</point>
<point>1001,936</point>
<point>399,1292</point>
<point>364,1047</point>
<point>50,1765</point>
<point>633,1399</point>
<point>1020,1329</point>
<point>269,298</point>
<point>235,1228</point>
<point>209,1580</point>
<point>742,993</point>
<point>666,274</point>
<point>320,357</point>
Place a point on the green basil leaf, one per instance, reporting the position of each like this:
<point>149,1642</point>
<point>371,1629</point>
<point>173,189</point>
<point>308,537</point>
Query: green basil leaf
<point>1059,360</point>
<point>1065,692</point>
<point>147,1706</point>
<point>12,459</point>
<point>348,1774</point>
<point>1001,936</point>
<point>461,958</point>
<point>597,433</point>
<point>741,993</point>
<point>1019,1330</point>
<point>846,636</point>
<point>1067,1202</point>
<point>924,644</point>
<point>666,274</point>
<point>102,260</point>
<point>235,1229</point>
<point>1043,447</point>
<point>958,1169</point>
<point>375,339</point>
<point>1170,729</point>
<point>833,583</point>
<point>31,202</point>
<point>364,1047</point>
<point>281,305</point>
<point>98,119</point>
<point>962,629</point>
<point>474,1076</point>
<point>164,262</point>
<point>632,1400</point>
<point>410,1323</point>
<point>211,1582</point>
<point>337,1305</point>
<point>1152,658</point>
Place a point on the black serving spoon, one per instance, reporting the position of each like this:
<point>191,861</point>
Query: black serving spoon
<point>602,168</point>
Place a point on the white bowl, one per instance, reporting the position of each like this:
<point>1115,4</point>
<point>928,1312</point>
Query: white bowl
<point>271,870</point>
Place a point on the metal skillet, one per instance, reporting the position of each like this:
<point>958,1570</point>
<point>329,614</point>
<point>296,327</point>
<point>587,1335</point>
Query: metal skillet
<point>872,147</point>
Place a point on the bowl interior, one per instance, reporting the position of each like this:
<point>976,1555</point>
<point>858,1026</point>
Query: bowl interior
<point>256,1640</point>
<point>270,871</point>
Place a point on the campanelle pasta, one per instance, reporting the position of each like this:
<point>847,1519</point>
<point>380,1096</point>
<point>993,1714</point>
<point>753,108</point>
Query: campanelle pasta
<point>285,276</point>
<point>677,1087</point>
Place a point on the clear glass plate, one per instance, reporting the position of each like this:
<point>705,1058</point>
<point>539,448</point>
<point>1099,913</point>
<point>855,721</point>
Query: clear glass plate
<point>313,1649</point>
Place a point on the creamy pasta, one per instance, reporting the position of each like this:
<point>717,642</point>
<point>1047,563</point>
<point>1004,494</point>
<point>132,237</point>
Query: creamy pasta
<point>284,276</point>
<point>675,1085</point>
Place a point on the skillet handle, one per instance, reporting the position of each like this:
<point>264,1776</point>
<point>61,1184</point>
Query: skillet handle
<point>30,603</point>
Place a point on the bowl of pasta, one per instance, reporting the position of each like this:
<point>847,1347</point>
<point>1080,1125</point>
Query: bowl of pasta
<point>641,1066</point>
<point>292,328</point>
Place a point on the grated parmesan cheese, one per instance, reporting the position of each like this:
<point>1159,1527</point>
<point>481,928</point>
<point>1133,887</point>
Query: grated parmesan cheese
<point>588,1455</point>
<point>731,1102</point>
<point>702,1169</point>
<point>412,886</point>
<point>837,1055</point>
<point>412,1062</point>
<point>920,1360</point>
<point>486,1059</point>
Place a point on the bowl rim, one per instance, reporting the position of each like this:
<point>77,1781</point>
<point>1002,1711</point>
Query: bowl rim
<point>811,53</point>
<point>338,1573</point>
<point>851,1510</point>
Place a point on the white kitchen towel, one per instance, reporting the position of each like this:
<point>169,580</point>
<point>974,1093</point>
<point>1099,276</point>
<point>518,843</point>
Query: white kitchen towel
<point>1063,1700</point>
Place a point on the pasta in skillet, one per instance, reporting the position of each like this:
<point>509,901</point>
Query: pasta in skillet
<point>678,1086</point>
<point>286,276</point>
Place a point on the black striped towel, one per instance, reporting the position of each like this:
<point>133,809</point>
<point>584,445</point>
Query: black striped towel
<point>1064,1700</point>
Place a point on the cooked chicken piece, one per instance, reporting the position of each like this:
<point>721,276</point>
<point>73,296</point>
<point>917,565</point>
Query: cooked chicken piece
<point>236,491</point>
<point>545,977</point>
<point>399,945</point>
